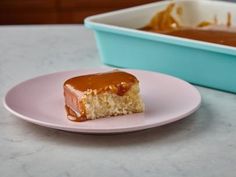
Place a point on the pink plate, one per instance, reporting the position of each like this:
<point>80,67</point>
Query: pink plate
<point>40,100</point>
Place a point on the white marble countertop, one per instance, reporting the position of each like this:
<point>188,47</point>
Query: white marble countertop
<point>202,145</point>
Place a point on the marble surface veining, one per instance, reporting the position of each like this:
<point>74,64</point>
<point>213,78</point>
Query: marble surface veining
<point>204,144</point>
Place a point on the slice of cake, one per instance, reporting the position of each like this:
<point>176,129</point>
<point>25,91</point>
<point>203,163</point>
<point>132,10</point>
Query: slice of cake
<point>102,95</point>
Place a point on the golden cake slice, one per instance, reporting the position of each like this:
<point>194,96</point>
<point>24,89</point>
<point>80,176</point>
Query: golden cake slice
<point>102,95</point>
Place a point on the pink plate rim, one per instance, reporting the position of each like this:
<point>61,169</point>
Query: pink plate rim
<point>97,130</point>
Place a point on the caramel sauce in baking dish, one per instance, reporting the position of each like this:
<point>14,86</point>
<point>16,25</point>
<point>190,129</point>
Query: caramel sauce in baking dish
<point>118,82</point>
<point>163,22</point>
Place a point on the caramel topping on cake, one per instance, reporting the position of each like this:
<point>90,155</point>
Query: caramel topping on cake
<point>116,81</point>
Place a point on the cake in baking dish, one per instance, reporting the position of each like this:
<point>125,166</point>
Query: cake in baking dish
<point>102,95</point>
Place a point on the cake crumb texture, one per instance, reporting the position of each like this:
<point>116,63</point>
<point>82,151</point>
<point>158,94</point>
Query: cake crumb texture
<point>110,104</point>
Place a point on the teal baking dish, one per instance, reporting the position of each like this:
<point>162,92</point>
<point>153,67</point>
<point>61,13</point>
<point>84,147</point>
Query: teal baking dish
<point>120,44</point>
